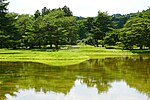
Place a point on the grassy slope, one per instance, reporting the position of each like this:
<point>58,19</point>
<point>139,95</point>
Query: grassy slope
<point>50,58</point>
<point>63,57</point>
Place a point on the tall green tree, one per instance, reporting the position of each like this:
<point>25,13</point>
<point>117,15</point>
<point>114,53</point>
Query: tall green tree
<point>101,25</point>
<point>112,38</point>
<point>8,31</point>
<point>72,30</point>
<point>39,31</point>
<point>88,25</point>
<point>9,37</point>
<point>82,29</point>
<point>57,30</point>
<point>25,24</point>
<point>3,12</point>
<point>136,32</point>
<point>3,22</point>
<point>53,27</point>
<point>12,32</point>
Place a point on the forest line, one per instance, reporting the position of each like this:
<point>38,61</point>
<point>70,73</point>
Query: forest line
<point>50,27</point>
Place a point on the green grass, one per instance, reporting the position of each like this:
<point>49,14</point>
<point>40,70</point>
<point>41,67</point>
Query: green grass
<point>51,58</point>
<point>101,52</point>
<point>62,57</point>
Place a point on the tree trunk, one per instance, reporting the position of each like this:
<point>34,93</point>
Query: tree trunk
<point>26,46</point>
<point>39,44</point>
<point>14,47</point>
<point>56,45</point>
<point>51,45</point>
<point>96,43</point>
<point>103,45</point>
<point>31,46</point>
<point>141,47</point>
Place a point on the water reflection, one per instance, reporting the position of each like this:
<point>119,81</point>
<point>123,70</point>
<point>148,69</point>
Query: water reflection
<point>109,78</point>
<point>119,91</point>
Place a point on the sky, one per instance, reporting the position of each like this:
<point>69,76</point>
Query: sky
<point>84,8</point>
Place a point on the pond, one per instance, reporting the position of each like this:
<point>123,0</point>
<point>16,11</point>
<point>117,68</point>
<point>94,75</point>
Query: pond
<point>124,78</point>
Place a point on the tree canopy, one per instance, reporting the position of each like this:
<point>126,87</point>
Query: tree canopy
<point>48,27</point>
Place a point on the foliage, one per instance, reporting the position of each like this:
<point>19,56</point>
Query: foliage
<point>45,28</point>
<point>119,20</point>
<point>48,28</point>
<point>112,38</point>
<point>3,23</point>
<point>136,32</point>
<point>96,28</point>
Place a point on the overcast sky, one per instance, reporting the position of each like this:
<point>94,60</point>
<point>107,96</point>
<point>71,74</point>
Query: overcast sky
<point>80,7</point>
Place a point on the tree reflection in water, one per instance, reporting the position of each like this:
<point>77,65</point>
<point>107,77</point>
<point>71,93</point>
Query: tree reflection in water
<point>98,73</point>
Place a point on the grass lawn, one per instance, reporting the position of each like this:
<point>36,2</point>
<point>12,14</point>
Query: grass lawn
<point>62,57</point>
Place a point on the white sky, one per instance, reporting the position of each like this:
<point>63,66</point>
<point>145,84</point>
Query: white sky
<point>83,8</point>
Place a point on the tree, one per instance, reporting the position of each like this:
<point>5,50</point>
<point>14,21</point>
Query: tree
<point>101,25</point>
<point>3,22</point>
<point>3,8</point>
<point>112,37</point>
<point>57,30</point>
<point>9,37</point>
<point>24,24</point>
<point>89,24</point>
<point>145,14</point>
<point>12,32</point>
<point>119,20</point>
<point>39,31</point>
<point>3,12</point>
<point>67,11</point>
<point>72,30</point>
<point>45,11</point>
<point>136,32</point>
<point>52,27</point>
<point>37,14</point>
<point>81,29</point>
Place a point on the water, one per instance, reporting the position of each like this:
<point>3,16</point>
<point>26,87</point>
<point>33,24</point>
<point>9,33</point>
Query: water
<point>100,79</point>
